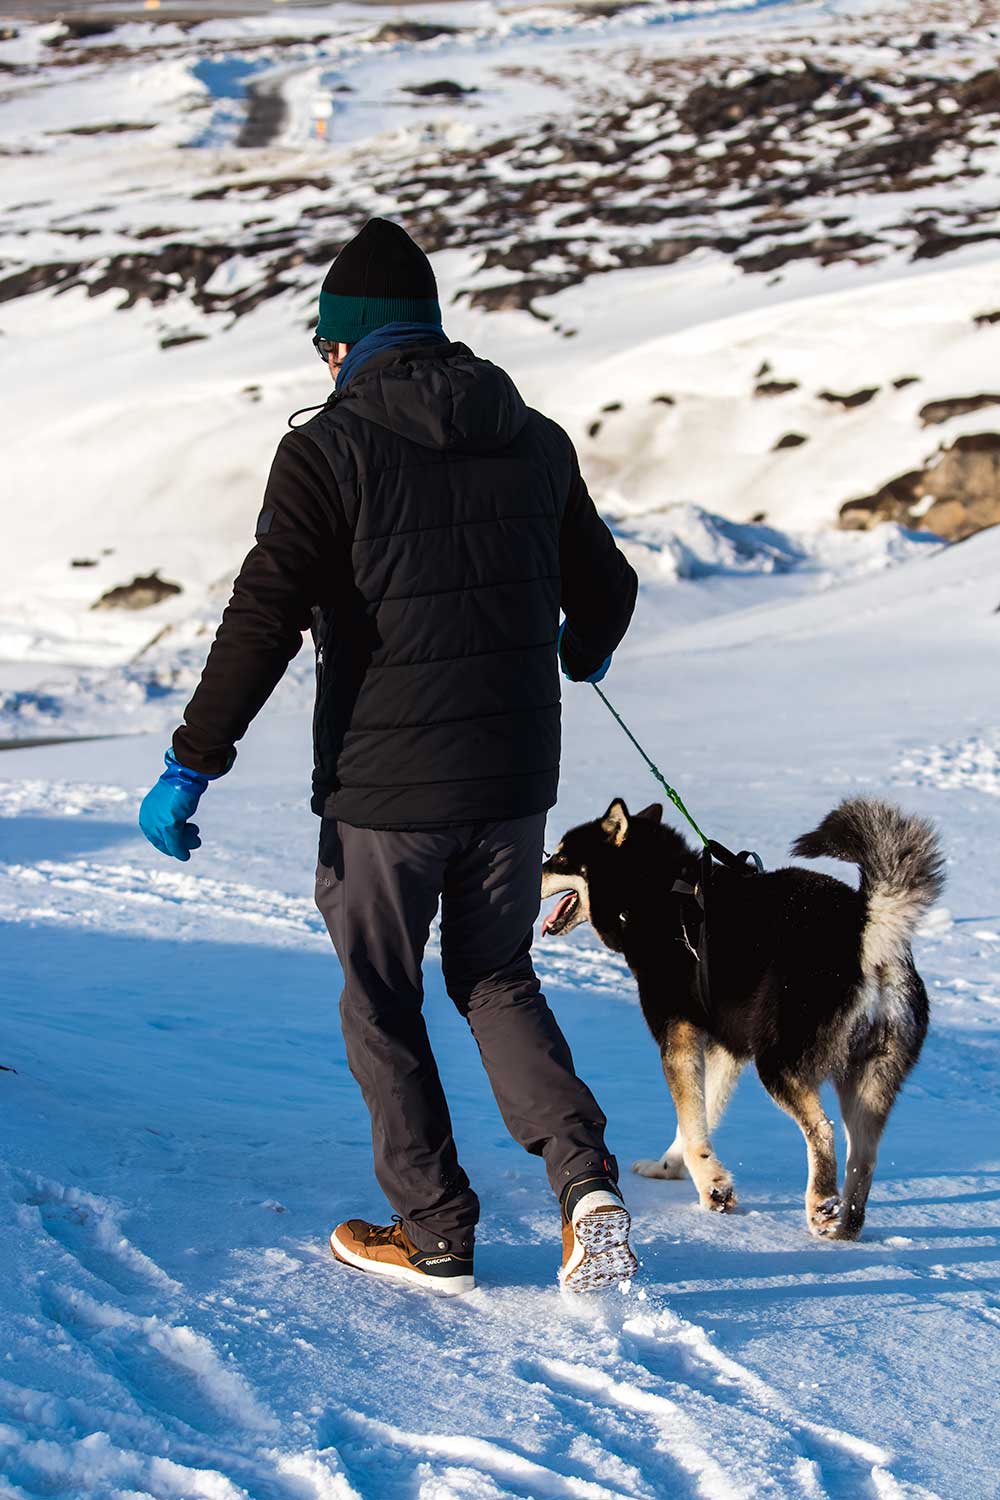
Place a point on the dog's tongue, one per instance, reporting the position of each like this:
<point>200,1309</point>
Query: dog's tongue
<point>557,911</point>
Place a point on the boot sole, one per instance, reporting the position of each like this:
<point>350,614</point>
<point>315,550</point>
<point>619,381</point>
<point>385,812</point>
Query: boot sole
<point>603,1256</point>
<point>448,1286</point>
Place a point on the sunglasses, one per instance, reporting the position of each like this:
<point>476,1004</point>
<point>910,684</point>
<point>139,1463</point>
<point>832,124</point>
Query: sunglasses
<point>324,348</point>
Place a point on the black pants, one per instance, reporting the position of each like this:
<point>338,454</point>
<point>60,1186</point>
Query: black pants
<point>378,891</point>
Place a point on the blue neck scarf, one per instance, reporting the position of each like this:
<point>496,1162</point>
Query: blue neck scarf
<point>389,336</point>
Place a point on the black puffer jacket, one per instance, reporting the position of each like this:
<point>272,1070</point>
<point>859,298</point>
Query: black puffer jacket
<point>428,526</point>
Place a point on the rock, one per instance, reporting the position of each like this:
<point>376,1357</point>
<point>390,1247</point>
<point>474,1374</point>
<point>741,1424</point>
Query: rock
<point>940,411</point>
<point>593,429</point>
<point>983,320</point>
<point>663,400</point>
<point>964,481</point>
<point>719,105</point>
<point>517,294</point>
<point>78,31</point>
<point>607,9</point>
<point>825,248</point>
<point>445,88</point>
<point>139,594</point>
<point>175,340</point>
<point>612,406</point>
<point>83,562</point>
<point>790,440</point>
<point>119,127</point>
<point>775,387</point>
<point>657,252</point>
<point>896,157</point>
<point>37,279</point>
<point>856,398</point>
<point>936,242</point>
<point>412,31</point>
<point>981,94</point>
<point>904,380</point>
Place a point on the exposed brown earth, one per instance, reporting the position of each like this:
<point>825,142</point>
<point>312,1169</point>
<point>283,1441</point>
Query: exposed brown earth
<point>964,480</point>
<point>141,593</point>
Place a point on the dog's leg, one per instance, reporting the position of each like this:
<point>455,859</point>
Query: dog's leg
<point>803,1103</point>
<point>868,1088</point>
<point>683,1056</point>
<point>721,1072</point>
<point>865,1108</point>
<point>669,1165</point>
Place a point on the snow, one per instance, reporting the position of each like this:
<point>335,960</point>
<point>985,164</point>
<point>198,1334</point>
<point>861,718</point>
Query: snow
<point>182,1130</point>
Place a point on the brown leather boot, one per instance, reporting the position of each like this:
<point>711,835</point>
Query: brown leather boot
<point>388,1251</point>
<point>596,1223</point>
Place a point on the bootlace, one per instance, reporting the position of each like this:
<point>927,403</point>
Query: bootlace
<point>386,1234</point>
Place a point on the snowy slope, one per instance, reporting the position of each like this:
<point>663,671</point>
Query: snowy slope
<point>682,226</point>
<point>182,1128</point>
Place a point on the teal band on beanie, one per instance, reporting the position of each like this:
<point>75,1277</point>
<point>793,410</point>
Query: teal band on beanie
<point>346,319</point>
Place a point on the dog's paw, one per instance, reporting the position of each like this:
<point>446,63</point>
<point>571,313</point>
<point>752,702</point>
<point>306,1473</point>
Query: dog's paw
<point>825,1219</point>
<point>721,1198</point>
<point>663,1167</point>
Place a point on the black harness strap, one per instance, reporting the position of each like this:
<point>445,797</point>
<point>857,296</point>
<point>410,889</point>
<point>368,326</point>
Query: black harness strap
<point>696,885</point>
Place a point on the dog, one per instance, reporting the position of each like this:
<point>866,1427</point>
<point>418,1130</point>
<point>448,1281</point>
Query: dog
<point>810,978</point>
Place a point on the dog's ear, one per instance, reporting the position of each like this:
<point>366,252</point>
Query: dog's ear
<point>615,822</point>
<point>654,812</point>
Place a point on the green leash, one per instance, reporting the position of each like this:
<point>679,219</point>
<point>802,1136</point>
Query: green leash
<point>674,796</point>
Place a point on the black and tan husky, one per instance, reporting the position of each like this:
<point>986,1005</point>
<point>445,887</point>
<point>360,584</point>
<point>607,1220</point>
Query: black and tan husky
<point>812,979</point>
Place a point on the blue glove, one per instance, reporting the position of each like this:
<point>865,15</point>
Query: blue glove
<point>164,814</point>
<point>598,676</point>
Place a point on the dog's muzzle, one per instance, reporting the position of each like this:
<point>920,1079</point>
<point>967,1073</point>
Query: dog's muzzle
<point>573,907</point>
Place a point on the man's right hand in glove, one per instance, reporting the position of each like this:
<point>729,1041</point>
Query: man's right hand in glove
<point>164,814</point>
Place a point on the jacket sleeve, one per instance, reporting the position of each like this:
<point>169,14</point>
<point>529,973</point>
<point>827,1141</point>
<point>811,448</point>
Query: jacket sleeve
<point>281,579</point>
<point>599,586</point>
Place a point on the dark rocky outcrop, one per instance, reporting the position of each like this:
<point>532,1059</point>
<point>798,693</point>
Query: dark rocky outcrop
<point>720,106</point>
<point>439,88</point>
<point>141,593</point>
<point>957,406</point>
<point>176,340</point>
<point>412,31</point>
<point>854,398</point>
<point>81,30</point>
<point>964,480</point>
<point>775,387</point>
<point>790,440</point>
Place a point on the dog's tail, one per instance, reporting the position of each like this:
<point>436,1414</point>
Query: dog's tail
<point>902,871</point>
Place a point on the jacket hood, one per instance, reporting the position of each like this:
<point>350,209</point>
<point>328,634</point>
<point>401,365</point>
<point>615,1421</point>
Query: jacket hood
<point>441,396</point>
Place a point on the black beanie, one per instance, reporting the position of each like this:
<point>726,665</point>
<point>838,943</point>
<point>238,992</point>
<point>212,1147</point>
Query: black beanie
<point>381,276</point>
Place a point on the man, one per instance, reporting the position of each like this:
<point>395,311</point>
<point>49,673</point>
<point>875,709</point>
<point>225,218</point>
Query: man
<point>428,526</point>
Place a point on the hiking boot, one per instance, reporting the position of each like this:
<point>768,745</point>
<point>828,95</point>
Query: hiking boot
<point>388,1251</point>
<point>596,1251</point>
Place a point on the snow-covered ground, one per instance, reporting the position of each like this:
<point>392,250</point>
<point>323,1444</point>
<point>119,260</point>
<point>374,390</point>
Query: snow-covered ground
<point>181,1130</point>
